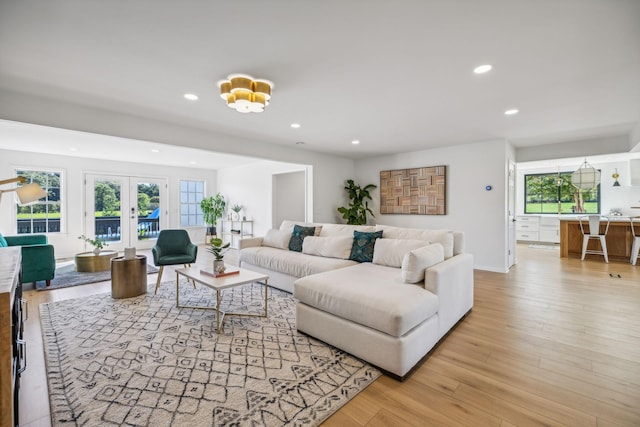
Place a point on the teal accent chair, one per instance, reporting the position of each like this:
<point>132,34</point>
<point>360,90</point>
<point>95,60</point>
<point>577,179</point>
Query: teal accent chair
<point>38,257</point>
<point>173,247</point>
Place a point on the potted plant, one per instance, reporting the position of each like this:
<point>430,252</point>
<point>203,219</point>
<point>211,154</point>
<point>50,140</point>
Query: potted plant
<point>212,210</point>
<point>356,213</point>
<point>97,244</point>
<point>218,250</point>
<point>236,208</point>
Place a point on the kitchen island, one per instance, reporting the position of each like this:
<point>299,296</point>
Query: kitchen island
<point>619,238</point>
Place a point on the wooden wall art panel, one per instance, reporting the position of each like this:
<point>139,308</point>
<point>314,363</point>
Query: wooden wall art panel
<point>418,191</point>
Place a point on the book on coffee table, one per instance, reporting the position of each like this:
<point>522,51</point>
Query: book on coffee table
<point>227,272</point>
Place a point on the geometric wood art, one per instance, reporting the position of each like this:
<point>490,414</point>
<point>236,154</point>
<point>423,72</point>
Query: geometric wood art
<point>417,191</point>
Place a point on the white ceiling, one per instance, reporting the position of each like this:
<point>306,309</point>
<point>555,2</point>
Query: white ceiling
<point>396,75</point>
<point>48,140</point>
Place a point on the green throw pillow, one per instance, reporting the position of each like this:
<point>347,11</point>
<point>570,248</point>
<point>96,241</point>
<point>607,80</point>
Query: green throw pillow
<point>3,242</point>
<point>363,244</point>
<point>298,235</point>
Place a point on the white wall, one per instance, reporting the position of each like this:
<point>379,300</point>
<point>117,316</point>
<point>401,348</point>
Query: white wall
<point>66,243</point>
<point>289,197</point>
<point>479,213</point>
<point>251,186</point>
<point>611,197</point>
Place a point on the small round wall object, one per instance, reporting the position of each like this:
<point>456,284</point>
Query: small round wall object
<point>488,188</point>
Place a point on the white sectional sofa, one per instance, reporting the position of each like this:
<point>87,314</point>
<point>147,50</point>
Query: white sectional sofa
<point>390,312</point>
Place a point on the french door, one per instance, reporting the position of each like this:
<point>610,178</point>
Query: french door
<point>125,211</point>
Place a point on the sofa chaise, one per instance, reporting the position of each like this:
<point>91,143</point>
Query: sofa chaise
<point>390,306</point>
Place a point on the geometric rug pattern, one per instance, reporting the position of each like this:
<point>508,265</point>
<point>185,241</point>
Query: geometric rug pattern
<point>66,276</point>
<point>143,362</point>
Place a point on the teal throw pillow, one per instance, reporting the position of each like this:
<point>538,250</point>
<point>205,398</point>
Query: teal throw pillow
<point>363,244</point>
<point>298,235</point>
<point>3,242</point>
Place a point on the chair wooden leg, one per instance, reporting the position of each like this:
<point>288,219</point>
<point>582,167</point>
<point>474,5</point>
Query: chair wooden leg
<point>585,242</point>
<point>49,281</point>
<point>192,281</point>
<point>603,242</point>
<point>159,279</point>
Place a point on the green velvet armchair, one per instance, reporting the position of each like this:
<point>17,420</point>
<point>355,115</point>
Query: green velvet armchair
<point>38,257</point>
<point>173,247</point>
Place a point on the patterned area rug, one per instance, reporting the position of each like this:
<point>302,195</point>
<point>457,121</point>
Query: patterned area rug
<point>143,362</point>
<point>66,276</point>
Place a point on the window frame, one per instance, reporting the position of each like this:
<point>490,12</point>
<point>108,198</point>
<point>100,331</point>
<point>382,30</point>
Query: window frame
<point>566,177</point>
<point>28,172</point>
<point>193,207</point>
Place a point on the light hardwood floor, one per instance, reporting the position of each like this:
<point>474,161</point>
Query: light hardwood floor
<point>553,342</point>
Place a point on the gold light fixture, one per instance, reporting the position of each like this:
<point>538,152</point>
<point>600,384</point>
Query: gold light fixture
<point>615,177</point>
<point>27,193</point>
<point>245,94</point>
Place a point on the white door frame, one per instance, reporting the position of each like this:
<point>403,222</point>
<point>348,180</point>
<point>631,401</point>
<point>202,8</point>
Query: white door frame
<point>128,230</point>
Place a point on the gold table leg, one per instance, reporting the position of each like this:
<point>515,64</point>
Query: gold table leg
<point>219,313</point>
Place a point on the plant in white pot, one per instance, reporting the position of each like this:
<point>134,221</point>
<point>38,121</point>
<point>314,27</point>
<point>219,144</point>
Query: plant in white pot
<point>218,250</point>
<point>98,245</point>
<point>236,209</point>
<point>212,210</point>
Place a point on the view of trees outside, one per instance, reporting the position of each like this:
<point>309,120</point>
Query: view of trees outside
<point>544,195</point>
<point>46,211</point>
<point>107,198</point>
<point>44,215</point>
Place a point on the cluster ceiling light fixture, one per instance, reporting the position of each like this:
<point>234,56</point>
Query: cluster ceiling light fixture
<point>245,94</point>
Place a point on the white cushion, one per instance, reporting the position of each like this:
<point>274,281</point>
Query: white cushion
<point>417,261</point>
<point>368,294</point>
<point>287,225</point>
<point>331,230</point>
<point>277,239</point>
<point>332,247</point>
<point>292,263</point>
<point>391,251</point>
<point>444,237</point>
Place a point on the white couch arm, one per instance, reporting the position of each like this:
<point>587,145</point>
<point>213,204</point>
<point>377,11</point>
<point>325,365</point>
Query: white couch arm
<point>249,242</point>
<point>452,282</point>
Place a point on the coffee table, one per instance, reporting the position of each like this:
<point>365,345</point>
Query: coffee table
<point>89,262</point>
<point>218,284</point>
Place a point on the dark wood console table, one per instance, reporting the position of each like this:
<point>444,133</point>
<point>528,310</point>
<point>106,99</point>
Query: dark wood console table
<point>12,344</point>
<point>619,239</point>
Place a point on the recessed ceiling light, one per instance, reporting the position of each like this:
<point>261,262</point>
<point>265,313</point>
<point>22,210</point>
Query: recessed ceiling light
<point>511,112</point>
<point>355,142</point>
<point>73,149</point>
<point>155,150</point>
<point>295,125</point>
<point>193,162</point>
<point>481,69</point>
<point>191,96</point>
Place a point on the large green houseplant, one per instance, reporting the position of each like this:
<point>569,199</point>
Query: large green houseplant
<point>212,210</point>
<point>356,212</point>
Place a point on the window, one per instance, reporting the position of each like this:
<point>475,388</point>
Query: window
<point>191,194</point>
<point>553,193</point>
<point>43,216</point>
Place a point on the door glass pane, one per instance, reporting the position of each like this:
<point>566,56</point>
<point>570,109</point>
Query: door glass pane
<point>107,210</point>
<point>148,210</point>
